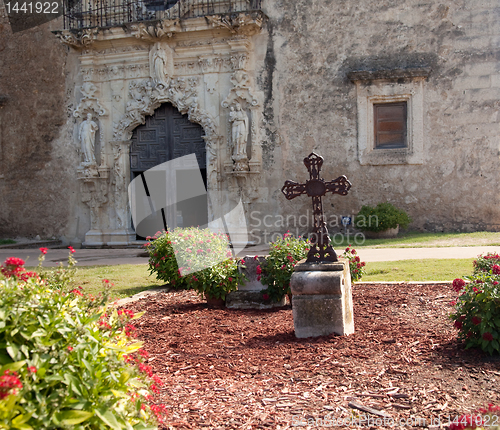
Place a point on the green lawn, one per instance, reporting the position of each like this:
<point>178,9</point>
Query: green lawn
<point>417,270</point>
<point>131,279</point>
<point>423,240</point>
<point>128,279</point>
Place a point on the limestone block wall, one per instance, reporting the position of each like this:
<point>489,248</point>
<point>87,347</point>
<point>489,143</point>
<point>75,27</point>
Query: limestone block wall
<point>306,53</point>
<point>37,191</point>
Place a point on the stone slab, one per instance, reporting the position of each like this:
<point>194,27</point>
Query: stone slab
<point>250,300</point>
<point>250,270</point>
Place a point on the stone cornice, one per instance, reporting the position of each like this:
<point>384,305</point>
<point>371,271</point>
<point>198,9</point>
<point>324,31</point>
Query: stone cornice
<point>389,74</point>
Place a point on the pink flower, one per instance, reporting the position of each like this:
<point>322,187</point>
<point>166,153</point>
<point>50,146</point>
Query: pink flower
<point>72,250</point>
<point>9,384</point>
<point>476,320</point>
<point>258,278</point>
<point>488,336</point>
<point>458,284</point>
<point>32,369</point>
<point>496,269</point>
<point>258,270</point>
<point>230,279</point>
<point>44,250</point>
<point>70,348</point>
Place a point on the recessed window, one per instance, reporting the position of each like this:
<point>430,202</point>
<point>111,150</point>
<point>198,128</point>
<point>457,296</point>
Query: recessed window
<point>389,122</point>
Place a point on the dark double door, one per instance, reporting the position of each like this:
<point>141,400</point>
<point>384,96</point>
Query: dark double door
<point>166,135</point>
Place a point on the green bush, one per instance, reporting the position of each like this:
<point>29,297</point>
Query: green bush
<point>277,269</point>
<point>477,310</point>
<point>67,361</point>
<point>356,266</point>
<point>194,258</point>
<point>485,263</point>
<point>382,217</point>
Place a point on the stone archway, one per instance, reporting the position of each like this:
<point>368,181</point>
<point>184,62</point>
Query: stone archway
<point>165,136</point>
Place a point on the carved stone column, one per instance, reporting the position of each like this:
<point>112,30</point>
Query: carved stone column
<point>94,189</point>
<point>122,234</point>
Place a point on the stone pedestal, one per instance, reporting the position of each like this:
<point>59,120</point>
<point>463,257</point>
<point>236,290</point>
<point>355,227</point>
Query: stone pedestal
<point>322,299</point>
<point>249,294</point>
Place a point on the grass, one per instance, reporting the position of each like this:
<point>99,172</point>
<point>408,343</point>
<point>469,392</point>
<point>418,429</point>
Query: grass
<point>128,279</point>
<point>417,270</point>
<point>423,240</point>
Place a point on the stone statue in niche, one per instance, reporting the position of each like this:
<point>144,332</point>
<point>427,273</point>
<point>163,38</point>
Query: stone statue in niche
<point>86,135</point>
<point>239,135</point>
<point>160,64</point>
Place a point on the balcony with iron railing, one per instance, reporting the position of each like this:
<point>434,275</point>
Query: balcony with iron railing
<point>81,14</point>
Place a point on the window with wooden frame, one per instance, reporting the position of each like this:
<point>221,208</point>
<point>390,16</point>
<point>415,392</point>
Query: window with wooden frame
<point>390,125</point>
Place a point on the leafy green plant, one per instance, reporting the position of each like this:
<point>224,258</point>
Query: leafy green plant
<point>356,266</point>
<point>194,258</point>
<point>381,217</point>
<point>278,267</point>
<point>477,310</point>
<point>485,263</point>
<point>70,362</point>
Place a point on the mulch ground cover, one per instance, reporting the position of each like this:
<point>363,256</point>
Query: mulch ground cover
<point>244,369</point>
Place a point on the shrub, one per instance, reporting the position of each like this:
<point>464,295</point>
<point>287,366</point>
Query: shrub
<point>356,266</point>
<point>477,310</point>
<point>382,217</point>
<point>63,360</point>
<point>485,263</point>
<point>277,269</point>
<point>194,258</point>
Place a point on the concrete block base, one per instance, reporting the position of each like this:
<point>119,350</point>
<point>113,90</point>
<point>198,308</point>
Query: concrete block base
<point>250,300</point>
<point>322,299</point>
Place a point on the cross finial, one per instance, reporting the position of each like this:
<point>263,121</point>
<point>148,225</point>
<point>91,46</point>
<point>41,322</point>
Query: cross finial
<point>316,187</point>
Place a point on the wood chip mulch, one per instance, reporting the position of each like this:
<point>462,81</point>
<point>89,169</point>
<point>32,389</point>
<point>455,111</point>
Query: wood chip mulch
<point>244,369</point>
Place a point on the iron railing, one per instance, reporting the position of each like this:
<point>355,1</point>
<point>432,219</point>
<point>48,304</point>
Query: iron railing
<point>79,14</point>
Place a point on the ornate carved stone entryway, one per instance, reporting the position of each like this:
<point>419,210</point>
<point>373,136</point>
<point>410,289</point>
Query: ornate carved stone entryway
<point>201,67</point>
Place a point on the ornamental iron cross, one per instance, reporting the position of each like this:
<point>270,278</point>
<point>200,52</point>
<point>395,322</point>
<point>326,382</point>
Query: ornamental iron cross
<point>316,187</point>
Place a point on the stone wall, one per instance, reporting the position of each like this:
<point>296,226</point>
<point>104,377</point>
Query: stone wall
<point>36,164</point>
<point>311,105</point>
<point>300,65</point>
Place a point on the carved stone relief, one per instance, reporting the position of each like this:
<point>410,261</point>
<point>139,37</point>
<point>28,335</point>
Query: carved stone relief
<point>241,23</point>
<point>161,30</point>
<point>89,102</point>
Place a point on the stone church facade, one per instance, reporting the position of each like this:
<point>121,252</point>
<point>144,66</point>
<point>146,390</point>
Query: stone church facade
<point>402,98</point>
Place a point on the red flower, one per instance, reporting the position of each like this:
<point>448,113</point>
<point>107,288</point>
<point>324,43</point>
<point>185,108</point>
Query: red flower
<point>44,250</point>
<point>458,284</point>
<point>487,336</point>
<point>230,279</point>
<point>265,296</point>
<point>70,348</point>
<point>476,320</point>
<point>72,250</point>
<point>458,324</point>
<point>32,369</point>
<point>77,292</point>
<point>258,278</point>
<point>9,384</point>
<point>496,269</point>
<point>259,270</point>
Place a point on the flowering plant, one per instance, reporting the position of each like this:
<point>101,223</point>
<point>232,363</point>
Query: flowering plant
<point>194,258</point>
<point>356,266</point>
<point>477,310</point>
<point>278,267</point>
<point>485,263</point>
<point>64,362</point>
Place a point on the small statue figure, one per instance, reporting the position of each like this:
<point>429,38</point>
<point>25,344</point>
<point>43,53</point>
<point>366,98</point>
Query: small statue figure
<point>239,132</point>
<point>239,135</point>
<point>86,136</point>
<point>161,68</point>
